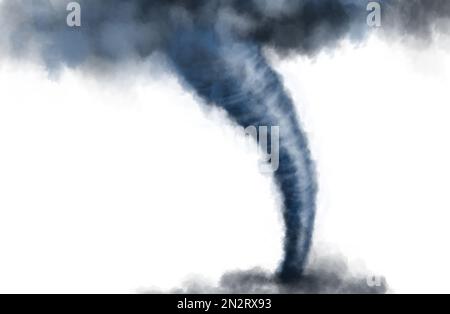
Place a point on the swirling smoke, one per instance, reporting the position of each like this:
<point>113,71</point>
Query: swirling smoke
<point>217,48</point>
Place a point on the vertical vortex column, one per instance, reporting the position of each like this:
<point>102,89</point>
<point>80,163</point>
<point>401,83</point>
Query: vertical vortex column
<point>236,77</point>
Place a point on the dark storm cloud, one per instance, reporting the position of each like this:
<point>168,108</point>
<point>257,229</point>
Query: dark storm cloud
<point>120,29</point>
<point>417,18</point>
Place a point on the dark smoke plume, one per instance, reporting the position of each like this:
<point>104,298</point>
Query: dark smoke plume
<point>216,47</point>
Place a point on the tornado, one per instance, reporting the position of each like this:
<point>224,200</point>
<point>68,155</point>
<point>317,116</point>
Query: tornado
<point>218,49</point>
<point>236,77</point>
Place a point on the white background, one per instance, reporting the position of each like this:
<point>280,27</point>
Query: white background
<point>128,184</point>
